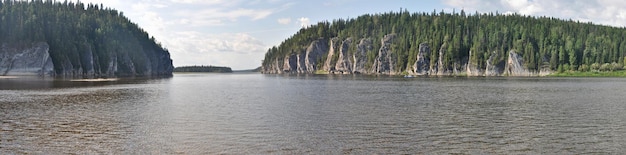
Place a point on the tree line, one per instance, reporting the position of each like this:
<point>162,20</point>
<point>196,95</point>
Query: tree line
<point>213,69</point>
<point>543,42</point>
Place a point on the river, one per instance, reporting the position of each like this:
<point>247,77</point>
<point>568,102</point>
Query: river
<point>313,114</point>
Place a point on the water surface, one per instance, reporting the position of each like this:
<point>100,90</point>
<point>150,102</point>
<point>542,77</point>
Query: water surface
<point>281,114</point>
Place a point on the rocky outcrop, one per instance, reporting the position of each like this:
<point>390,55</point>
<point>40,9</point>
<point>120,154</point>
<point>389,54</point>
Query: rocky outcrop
<point>273,68</point>
<point>290,64</point>
<point>300,65</point>
<point>422,64</point>
<point>314,52</point>
<point>347,57</point>
<point>472,69</point>
<point>494,66</point>
<point>304,62</point>
<point>112,67</point>
<point>359,58</point>
<point>385,62</point>
<point>344,66</point>
<point>25,60</point>
<point>514,65</point>
<point>329,63</point>
<point>440,69</point>
<point>37,59</point>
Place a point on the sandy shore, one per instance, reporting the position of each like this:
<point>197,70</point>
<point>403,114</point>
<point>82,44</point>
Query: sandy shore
<point>8,77</point>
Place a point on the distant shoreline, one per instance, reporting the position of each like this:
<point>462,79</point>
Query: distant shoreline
<point>203,69</point>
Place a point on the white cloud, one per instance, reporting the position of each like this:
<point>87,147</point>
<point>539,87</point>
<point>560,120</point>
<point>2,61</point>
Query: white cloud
<point>284,21</point>
<point>236,50</point>
<point>304,22</point>
<point>185,28</point>
<point>608,12</point>
<point>218,16</point>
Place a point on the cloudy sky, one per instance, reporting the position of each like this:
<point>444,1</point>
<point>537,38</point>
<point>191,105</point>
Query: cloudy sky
<point>237,33</point>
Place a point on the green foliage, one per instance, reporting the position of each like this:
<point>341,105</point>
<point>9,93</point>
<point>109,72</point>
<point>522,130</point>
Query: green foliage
<point>75,31</point>
<point>320,72</point>
<point>620,73</point>
<point>543,42</point>
<point>213,69</point>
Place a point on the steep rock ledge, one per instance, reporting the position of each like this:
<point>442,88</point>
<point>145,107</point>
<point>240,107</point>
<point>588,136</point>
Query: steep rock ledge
<point>35,59</point>
<point>32,60</point>
<point>337,56</point>
<point>422,64</point>
<point>386,60</point>
<point>344,65</point>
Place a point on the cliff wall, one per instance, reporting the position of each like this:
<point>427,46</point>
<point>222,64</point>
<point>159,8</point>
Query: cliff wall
<point>336,56</point>
<point>35,59</point>
<point>29,60</point>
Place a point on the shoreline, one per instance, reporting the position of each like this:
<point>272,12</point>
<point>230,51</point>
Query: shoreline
<point>589,74</point>
<point>621,73</point>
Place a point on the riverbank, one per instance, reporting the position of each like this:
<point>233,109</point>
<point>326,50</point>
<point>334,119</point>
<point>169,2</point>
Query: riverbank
<point>590,74</point>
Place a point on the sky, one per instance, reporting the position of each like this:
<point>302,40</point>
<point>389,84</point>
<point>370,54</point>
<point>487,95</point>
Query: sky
<point>237,33</point>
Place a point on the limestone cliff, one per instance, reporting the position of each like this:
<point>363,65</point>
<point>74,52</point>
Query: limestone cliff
<point>359,58</point>
<point>422,64</point>
<point>344,65</point>
<point>472,69</point>
<point>329,63</point>
<point>514,65</point>
<point>314,53</point>
<point>336,56</point>
<point>35,59</point>
<point>449,44</point>
<point>494,65</point>
<point>290,64</point>
<point>385,62</point>
<point>52,40</point>
<point>439,69</point>
<point>27,60</point>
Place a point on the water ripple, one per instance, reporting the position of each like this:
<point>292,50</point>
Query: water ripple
<point>276,114</point>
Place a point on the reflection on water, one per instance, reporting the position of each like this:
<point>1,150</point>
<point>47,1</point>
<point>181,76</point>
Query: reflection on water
<point>281,114</point>
<point>34,82</point>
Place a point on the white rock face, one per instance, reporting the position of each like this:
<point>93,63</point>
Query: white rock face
<point>514,65</point>
<point>440,70</point>
<point>471,69</point>
<point>360,57</point>
<point>344,65</point>
<point>422,64</point>
<point>493,69</point>
<point>32,60</point>
<point>386,61</point>
<point>337,56</point>
<point>329,63</point>
<point>314,52</point>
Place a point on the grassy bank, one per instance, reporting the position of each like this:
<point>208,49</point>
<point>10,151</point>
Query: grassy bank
<point>322,72</point>
<point>590,74</point>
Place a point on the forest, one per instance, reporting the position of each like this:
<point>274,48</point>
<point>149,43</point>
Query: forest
<point>211,69</point>
<point>544,43</point>
<point>83,38</point>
